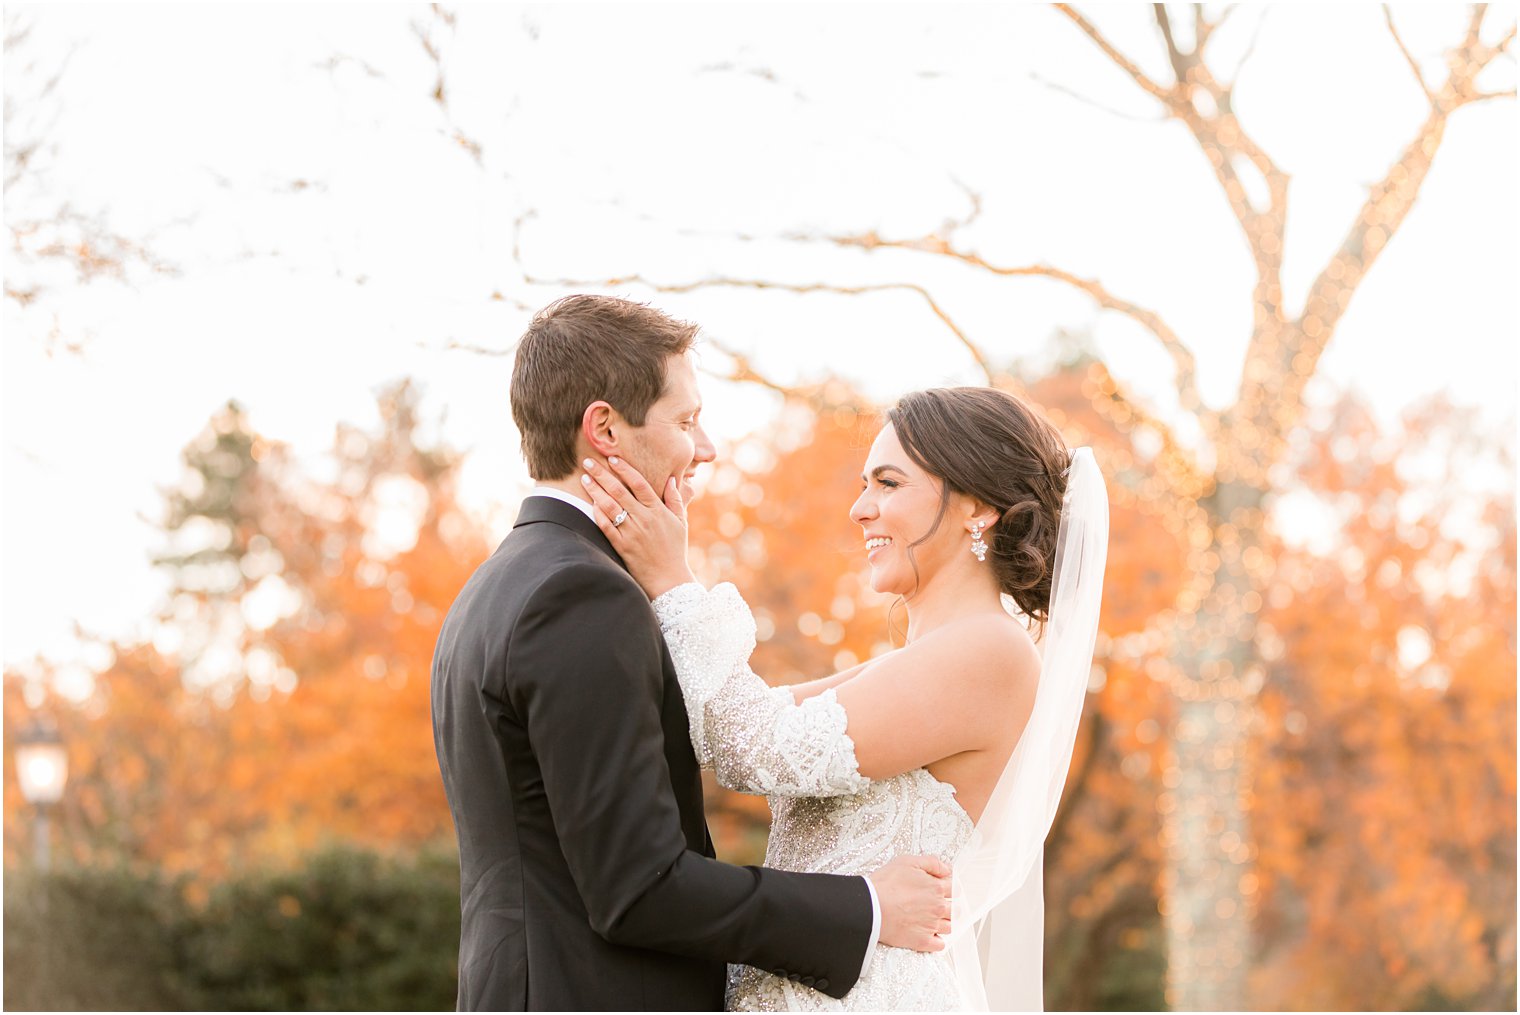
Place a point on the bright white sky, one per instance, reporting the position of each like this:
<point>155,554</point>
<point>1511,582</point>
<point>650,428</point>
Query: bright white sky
<point>644,137</point>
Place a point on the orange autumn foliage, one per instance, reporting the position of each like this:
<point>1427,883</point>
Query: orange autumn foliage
<point>1385,824</point>
<point>1384,788</point>
<point>1385,799</point>
<point>319,730</point>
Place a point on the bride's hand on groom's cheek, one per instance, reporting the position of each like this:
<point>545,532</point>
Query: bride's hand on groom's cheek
<point>648,533</point>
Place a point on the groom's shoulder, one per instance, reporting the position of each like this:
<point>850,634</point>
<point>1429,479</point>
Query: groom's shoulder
<point>548,563</point>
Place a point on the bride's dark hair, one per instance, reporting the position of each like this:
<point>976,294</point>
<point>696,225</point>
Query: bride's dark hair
<point>987,444</point>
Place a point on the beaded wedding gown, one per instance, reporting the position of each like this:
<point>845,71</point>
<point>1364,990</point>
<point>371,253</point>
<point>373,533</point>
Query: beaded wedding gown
<point>826,816</point>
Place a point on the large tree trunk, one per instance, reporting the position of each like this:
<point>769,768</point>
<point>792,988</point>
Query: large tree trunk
<point>1209,887</point>
<point>1207,861</point>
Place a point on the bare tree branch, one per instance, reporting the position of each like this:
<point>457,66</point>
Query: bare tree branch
<point>1166,96</point>
<point>427,36</point>
<point>1219,135</point>
<point>974,199</point>
<point>1408,56</point>
<point>1205,28</point>
<point>1250,49</point>
<point>763,73</point>
<point>1056,86</point>
<point>1283,353</point>
<point>1475,25</point>
<point>1271,396</point>
<point>45,233</point>
<point>743,371</point>
<point>1502,46</point>
<point>792,287</point>
<point>1182,357</point>
<point>343,59</point>
<point>1178,58</point>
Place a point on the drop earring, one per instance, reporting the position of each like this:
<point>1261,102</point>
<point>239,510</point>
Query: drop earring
<point>978,545</point>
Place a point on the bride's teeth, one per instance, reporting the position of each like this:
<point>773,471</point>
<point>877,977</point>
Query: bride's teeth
<point>879,541</point>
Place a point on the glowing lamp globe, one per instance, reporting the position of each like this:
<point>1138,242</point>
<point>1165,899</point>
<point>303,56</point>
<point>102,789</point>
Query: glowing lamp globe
<point>42,765</point>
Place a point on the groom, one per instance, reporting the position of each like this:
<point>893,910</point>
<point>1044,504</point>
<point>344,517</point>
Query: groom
<point>587,876</point>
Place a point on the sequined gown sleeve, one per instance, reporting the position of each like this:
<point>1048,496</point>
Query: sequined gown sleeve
<point>825,816</point>
<point>754,737</point>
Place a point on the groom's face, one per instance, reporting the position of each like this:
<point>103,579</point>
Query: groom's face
<point>671,442</point>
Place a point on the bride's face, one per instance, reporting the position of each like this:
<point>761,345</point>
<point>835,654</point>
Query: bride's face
<point>897,507</point>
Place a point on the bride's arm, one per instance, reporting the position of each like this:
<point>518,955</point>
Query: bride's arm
<point>804,691</point>
<point>756,738</point>
<point>962,688</point>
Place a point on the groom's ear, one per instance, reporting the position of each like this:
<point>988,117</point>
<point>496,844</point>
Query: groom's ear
<point>600,426</point>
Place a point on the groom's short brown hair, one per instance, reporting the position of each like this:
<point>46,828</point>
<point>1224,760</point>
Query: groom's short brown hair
<point>578,350</point>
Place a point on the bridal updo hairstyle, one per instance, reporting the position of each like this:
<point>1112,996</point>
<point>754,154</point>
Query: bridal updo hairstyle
<point>987,444</point>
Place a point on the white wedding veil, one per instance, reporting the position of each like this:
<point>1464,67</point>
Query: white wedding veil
<point>998,905</point>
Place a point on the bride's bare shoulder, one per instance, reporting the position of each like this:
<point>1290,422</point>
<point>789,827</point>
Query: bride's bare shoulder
<point>991,649</point>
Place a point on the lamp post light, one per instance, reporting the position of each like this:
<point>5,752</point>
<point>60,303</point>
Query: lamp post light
<point>42,767</point>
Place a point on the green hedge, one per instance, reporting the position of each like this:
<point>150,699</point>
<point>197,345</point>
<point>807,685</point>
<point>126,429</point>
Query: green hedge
<point>91,940</point>
<point>350,930</point>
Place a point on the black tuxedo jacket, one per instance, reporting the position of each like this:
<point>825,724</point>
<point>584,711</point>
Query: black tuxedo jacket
<point>586,871</point>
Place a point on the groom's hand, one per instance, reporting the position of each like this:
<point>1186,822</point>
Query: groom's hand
<point>914,892</point>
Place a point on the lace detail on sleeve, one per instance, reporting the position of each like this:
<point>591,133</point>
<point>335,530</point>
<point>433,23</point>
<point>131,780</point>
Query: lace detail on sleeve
<point>755,737</point>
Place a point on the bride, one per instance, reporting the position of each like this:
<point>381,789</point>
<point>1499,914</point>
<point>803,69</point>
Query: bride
<point>956,744</point>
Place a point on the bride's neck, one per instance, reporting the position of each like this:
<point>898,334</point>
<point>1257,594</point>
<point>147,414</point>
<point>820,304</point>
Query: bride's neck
<point>952,595</point>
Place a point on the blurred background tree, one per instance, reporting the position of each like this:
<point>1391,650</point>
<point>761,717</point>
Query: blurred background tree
<point>1295,783</point>
<point>268,720</point>
<point>283,700</point>
<point>1215,469</point>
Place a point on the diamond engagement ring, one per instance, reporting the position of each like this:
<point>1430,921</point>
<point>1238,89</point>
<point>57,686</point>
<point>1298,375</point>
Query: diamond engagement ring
<point>622,516</point>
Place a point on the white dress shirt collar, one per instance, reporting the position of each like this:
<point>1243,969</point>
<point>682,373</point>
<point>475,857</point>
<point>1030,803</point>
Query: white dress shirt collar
<point>571,499</point>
